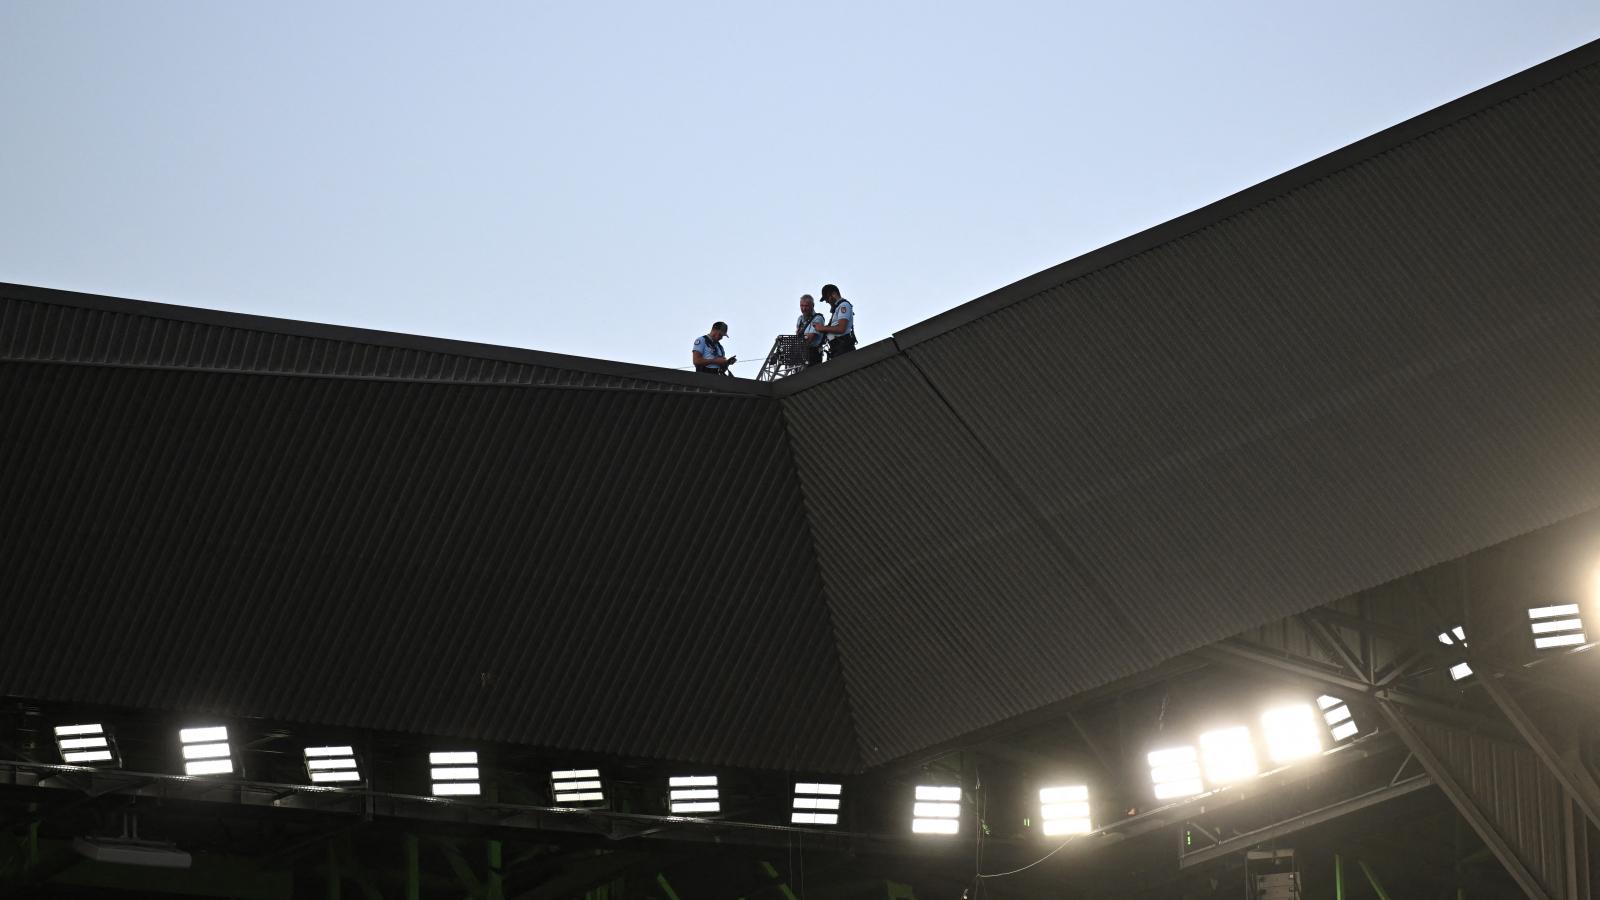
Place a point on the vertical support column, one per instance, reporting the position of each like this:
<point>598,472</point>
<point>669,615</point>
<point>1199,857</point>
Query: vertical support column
<point>496,888</point>
<point>333,885</point>
<point>413,873</point>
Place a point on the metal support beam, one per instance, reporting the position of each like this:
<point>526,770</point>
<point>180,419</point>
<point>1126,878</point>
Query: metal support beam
<point>1372,879</point>
<point>1464,804</point>
<point>1331,642</point>
<point>1244,655</point>
<point>413,869</point>
<point>1303,821</point>
<point>1561,762</point>
<point>496,886</point>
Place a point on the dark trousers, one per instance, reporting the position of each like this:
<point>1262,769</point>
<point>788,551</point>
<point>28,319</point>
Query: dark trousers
<point>841,345</point>
<point>813,356</point>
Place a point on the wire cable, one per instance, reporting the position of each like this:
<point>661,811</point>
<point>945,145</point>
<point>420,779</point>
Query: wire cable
<point>1029,865</point>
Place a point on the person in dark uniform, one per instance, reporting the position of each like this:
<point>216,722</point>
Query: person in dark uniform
<point>708,356</point>
<point>841,327</point>
<point>806,327</point>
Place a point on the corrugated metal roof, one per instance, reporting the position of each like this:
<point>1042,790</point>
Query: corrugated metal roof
<point>609,571</point>
<point>954,607</point>
<point>61,326</point>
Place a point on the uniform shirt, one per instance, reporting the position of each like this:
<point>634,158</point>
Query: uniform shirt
<point>808,328</point>
<point>708,349</point>
<point>844,312</point>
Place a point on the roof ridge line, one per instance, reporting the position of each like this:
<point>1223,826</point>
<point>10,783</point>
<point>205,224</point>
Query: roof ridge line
<point>353,334</point>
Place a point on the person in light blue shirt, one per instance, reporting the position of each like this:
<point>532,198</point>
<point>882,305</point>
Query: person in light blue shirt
<point>708,355</point>
<point>806,327</point>
<point>841,327</point>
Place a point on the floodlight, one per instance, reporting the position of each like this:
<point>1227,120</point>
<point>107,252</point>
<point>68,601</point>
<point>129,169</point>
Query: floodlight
<point>693,794</point>
<point>1337,714</point>
<point>937,809</point>
<point>206,750</point>
<point>1456,637</point>
<point>815,804</point>
<point>1292,732</point>
<point>85,745</point>
<point>576,787</point>
<point>1175,772</point>
<point>1064,810</point>
<point>1229,755</point>
<point>455,773</point>
<point>1556,626</point>
<point>332,765</point>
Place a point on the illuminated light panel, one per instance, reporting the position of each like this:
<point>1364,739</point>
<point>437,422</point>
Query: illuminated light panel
<point>206,750</point>
<point>573,787</point>
<point>1459,671</point>
<point>1064,810</point>
<point>1175,772</point>
<point>84,744</point>
<point>209,767</point>
<point>1336,713</point>
<point>332,765</point>
<point>1292,733</point>
<point>693,794</point>
<point>815,804</point>
<point>937,809</point>
<point>455,773</point>
<point>1556,626</point>
<point>1229,755</point>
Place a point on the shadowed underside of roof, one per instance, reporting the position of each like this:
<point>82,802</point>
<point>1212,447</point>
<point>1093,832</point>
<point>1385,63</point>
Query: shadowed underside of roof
<point>1350,373</point>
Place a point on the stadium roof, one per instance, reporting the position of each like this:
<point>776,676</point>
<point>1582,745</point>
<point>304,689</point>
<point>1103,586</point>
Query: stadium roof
<point>1382,360</point>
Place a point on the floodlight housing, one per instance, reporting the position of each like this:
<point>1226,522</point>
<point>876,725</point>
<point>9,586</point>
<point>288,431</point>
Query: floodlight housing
<point>332,765</point>
<point>206,750</point>
<point>693,794</point>
<point>577,787</point>
<point>1292,733</point>
<point>1064,810</point>
<point>1555,626</point>
<point>86,745</point>
<point>1229,755</point>
<point>1336,713</point>
<point>816,803</point>
<point>937,809</point>
<point>1456,637</point>
<point>1175,772</point>
<point>455,773</point>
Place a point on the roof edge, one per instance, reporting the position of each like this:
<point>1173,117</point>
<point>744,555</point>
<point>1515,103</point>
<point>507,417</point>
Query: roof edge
<point>1366,148</point>
<point>319,330</point>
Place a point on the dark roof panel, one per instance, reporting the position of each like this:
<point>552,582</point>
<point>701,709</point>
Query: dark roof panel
<point>954,608</point>
<point>61,326</point>
<point>565,568</point>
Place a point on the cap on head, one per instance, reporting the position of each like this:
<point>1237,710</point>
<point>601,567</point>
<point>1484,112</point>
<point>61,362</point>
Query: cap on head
<point>720,326</point>
<point>830,290</point>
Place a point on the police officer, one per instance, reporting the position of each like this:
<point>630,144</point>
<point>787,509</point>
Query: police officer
<point>841,326</point>
<point>806,327</point>
<point>708,356</point>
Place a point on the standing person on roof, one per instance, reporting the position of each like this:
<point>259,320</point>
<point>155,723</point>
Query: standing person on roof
<point>841,325</point>
<point>806,327</point>
<point>708,356</point>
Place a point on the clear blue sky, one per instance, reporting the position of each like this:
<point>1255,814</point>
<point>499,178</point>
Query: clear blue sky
<point>605,179</point>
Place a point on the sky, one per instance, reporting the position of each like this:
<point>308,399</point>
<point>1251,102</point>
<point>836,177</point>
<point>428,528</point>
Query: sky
<point>606,179</point>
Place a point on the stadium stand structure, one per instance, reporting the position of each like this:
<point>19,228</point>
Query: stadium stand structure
<point>1375,365</point>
